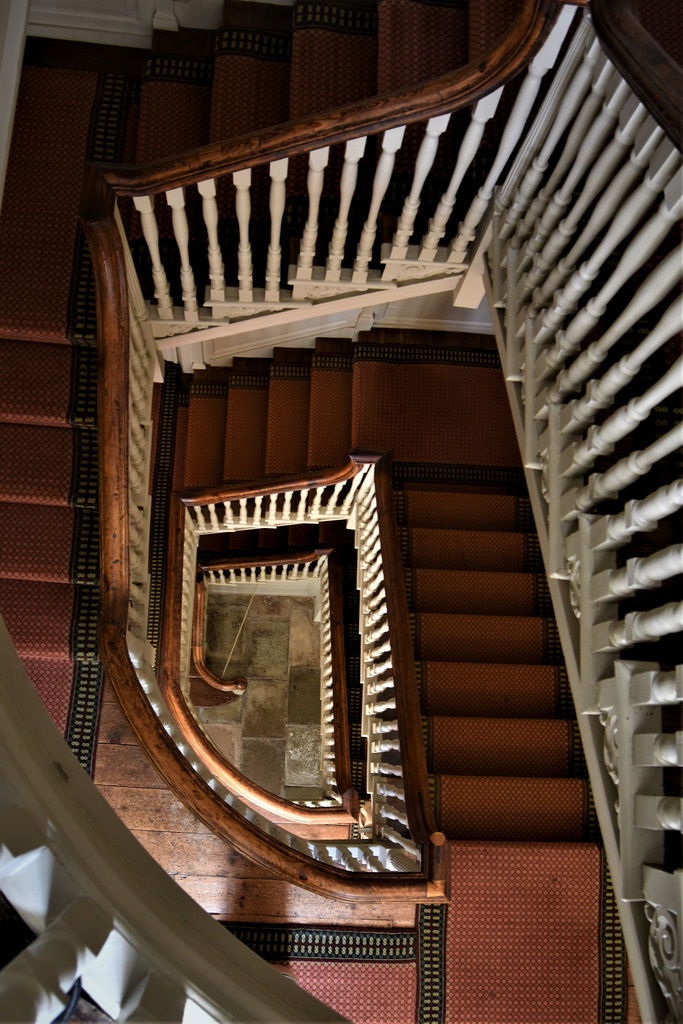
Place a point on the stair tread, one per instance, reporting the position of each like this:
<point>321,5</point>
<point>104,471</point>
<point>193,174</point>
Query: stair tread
<point>477,591</point>
<point>503,689</point>
<point>501,550</point>
<point>48,465</point>
<point>523,747</point>
<point>427,508</point>
<point>518,639</point>
<point>53,621</point>
<point>504,808</point>
<point>37,543</point>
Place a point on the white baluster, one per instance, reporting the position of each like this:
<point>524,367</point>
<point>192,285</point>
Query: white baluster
<point>377,707</point>
<point>245,278</point>
<point>631,117</point>
<point>301,507</point>
<point>648,138</point>
<point>347,186</point>
<point>207,190</point>
<point>175,198</point>
<point>603,486</point>
<point>502,226</point>
<point>569,105</point>
<point>580,148</point>
<point>436,126</point>
<point>659,812</point>
<point>287,508</point>
<point>317,162</point>
<point>258,502</point>
<point>657,285</point>
<point>589,146</point>
<point>278,176</point>
<point>639,627</point>
<point>645,243</point>
<point>243,511</point>
<point>481,114</point>
<point>162,292</point>
<point>658,749</point>
<point>639,516</point>
<point>391,143</point>
<point>638,574</point>
<point>601,440</point>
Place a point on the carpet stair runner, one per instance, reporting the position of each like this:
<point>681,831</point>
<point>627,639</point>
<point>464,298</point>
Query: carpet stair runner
<point>48,514</point>
<point>506,767</point>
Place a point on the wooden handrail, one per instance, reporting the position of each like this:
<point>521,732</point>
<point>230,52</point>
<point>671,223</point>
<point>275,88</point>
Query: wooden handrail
<point>237,685</point>
<point>421,821</point>
<point>265,558</point>
<point>654,76</point>
<point>442,95</point>
<point>342,740</point>
<point>181,713</point>
<point>223,493</point>
<point>101,185</point>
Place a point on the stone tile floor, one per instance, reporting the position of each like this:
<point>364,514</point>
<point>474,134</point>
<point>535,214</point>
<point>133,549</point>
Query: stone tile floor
<point>272,733</point>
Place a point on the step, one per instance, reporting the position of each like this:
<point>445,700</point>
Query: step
<point>51,621</point>
<point>48,542</point>
<point>288,410</point>
<point>329,428</point>
<point>54,681</point>
<point>501,551</point>
<point>424,403</point>
<point>206,419</point>
<point>516,639</point>
<point>476,688</point>
<point>41,201</point>
<point>48,465</point>
<point>500,809</point>
<point>484,593</point>
<point>246,420</point>
<point>449,509</point>
<point>48,385</point>
<point>528,747</point>
<point>250,91</point>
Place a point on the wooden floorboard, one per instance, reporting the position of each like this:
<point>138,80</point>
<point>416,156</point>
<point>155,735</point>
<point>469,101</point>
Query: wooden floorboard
<point>223,882</point>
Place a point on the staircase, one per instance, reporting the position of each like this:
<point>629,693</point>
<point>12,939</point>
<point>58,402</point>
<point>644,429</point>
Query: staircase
<point>506,773</point>
<point>504,757</point>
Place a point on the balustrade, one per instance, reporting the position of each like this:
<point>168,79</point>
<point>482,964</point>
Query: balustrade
<point>587,209</point>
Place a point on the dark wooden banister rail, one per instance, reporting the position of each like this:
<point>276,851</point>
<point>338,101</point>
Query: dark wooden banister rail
<point>237,685</point>
<point>655,79</point>
<point>654,76</point>
<point>223,493</point>
<point>442,95</point>
<point>169,684</point>
<point>263,559</point>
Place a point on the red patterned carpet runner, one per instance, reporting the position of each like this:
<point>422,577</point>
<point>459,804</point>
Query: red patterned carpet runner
<point>496,955</point>
<point>507,775</point>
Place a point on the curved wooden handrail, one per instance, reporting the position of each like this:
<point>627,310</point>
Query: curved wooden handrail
<point>654,76</point>
<point>265,558</point>
<point>421,821</point>
<point>102,183</point>
<point>442,95</point>
<point>182,714</point>
<point>237,685</point>
<point>223,493</point>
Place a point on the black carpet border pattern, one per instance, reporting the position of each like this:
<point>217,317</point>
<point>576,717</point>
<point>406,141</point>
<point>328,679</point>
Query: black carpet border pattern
<point>105,143</point>
<point>243,42</point>
<point>424,945</point>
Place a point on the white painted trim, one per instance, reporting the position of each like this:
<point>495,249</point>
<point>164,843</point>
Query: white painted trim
<point>172,935</point>
<point>13,21</point>
<point>131,25</point>
<point>633,922</point>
